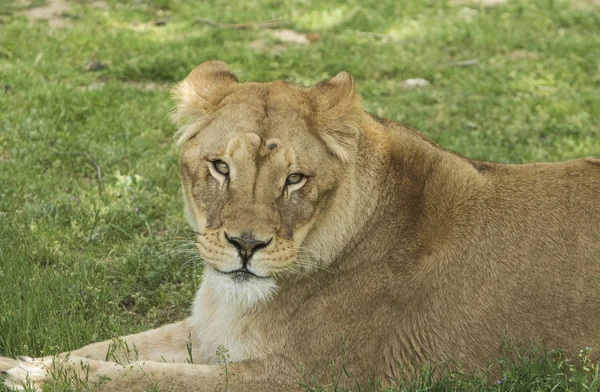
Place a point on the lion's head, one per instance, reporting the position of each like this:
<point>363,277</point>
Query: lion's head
<point>261,166</point>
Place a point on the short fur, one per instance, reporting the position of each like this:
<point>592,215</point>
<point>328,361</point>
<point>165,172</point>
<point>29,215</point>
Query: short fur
<point>393,247</point>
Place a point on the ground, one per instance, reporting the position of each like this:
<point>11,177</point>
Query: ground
<point>92,238</point>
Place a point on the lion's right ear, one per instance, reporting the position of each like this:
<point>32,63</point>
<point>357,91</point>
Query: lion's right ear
<point>198,96</point>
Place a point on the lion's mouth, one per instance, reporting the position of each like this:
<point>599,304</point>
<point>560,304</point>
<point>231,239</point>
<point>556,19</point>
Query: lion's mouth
<point>242,275</point>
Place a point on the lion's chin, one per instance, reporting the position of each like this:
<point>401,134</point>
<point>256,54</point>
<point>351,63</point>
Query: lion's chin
<point>239,288</point>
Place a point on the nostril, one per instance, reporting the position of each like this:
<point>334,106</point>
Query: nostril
<point>258,245</point>
<point>247,245</point>
<point>236,242</point>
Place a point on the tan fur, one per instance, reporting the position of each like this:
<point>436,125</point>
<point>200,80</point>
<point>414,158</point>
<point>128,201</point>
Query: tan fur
<point>393,249</point>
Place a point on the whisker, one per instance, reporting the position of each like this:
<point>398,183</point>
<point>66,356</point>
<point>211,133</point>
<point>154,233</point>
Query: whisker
<point>298,272</point>
<point>290,271</point>
<point>312,266</point>
<point>184,242</point>
<point>321,268</point>
<point>179,250</point>
<point>190,261</point>
<point>314,252</point>
<point>179,253</point>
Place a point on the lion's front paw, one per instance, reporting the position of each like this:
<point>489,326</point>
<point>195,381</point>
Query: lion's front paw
<point>31,372</point>
<point>7,363</point>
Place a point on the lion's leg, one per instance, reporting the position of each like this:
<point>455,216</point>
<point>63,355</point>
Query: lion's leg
<point>247,376</point>
<point>169,343</point>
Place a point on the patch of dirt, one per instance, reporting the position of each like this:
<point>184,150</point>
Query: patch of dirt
<point>415,83</point>
<point>52,12</point>
<point>91,87</point>
<point>284,39</point>
<point>265,46</point>
<point>93,66</point>
<point>295,37</point>
<point>99,4</point>
<point>522,54</point>
<point>159,22</point>
<point>585,5</point>
<point>148,85</point>
<point>482,3</point>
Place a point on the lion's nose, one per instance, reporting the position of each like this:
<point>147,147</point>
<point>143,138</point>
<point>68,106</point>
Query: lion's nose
<point>246,245</point>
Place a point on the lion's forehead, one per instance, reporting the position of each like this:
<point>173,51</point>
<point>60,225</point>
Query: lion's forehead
<point>267,127</point>
<point>237,124</point>
<point>280,140</point>
<point>272,157</point>
<point>251,144</point>
<point>267,123</point>
<point>268,109</point>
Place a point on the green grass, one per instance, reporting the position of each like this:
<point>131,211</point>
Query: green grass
<point>531,369</point>
<point>83,260</point>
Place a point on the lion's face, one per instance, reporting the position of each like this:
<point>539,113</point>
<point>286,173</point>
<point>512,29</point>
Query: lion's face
<point>255,178</point>
<point>259,164</point>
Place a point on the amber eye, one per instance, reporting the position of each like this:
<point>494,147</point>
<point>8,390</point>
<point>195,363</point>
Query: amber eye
<point>294,178</point>
<point>221,167</point>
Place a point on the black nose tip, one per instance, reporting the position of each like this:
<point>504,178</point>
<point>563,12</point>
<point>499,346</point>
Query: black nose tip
<point>246,245</point>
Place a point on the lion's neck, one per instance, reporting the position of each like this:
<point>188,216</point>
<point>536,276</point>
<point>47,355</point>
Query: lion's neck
<point>434,194</point>
<point>357,204</point>
<point>397,194</point>
<point>411,195</point>
<point>352,205</point>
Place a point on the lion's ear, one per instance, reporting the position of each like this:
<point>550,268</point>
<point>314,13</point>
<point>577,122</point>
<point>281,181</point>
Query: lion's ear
<point>338,114</point>
<point>199,94</point>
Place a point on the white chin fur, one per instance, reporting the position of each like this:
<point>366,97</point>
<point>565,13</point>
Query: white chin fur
<point>219,315</point>
<point>245,294</point>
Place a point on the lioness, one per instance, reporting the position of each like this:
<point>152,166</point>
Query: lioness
<point>327,230</point>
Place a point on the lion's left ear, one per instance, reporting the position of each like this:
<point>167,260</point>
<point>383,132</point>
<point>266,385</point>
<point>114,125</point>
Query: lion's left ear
<point>199,94</point>
<point>337,114</point>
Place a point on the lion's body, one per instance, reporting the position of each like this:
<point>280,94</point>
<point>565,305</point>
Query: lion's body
<point>478,250</point>
<point>402,251</point>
